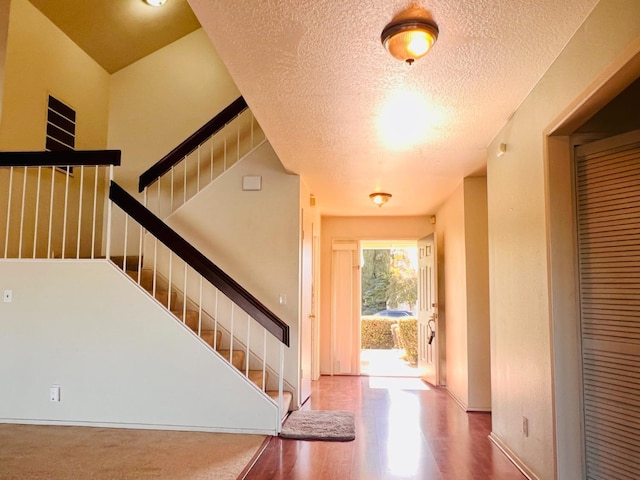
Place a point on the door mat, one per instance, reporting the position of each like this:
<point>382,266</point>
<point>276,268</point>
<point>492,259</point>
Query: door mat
<point>325,425</point>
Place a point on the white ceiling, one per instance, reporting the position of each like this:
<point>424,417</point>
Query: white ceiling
<point>336,106</point>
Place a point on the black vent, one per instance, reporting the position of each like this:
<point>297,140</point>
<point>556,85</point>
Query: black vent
<point>61,127</point>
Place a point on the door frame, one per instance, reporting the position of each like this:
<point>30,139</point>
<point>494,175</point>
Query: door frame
<point>562,260</point>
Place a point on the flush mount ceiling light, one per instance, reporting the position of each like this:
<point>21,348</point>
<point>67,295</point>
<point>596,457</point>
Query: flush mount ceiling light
<point>409,39</point>
<point>380,198</point>
<point>155,3</point>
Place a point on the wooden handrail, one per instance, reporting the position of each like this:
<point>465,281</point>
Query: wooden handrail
<point>65,158</point>
<point>201,264</point>
<point>214,125</point>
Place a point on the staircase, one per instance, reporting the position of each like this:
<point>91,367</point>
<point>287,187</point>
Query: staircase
<point>244,332</point>
<point>203,325</point>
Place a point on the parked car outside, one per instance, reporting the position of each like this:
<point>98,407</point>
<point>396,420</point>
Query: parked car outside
<point>393,313</point>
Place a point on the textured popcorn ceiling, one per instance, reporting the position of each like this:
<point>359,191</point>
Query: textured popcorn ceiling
<point>329,97</point>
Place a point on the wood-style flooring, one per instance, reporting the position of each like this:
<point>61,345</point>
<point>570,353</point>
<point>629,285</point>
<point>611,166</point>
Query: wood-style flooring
<point>405,429</point>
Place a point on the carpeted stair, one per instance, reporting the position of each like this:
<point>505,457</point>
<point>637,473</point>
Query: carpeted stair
<point>192,320</point>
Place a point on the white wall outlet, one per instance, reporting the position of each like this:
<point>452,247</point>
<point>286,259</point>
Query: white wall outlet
<point>8,296</point>
<point>525,426</point>
<point>282,299</point>
<point>54,393</point>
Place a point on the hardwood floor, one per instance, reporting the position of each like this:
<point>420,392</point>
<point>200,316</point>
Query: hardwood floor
<point>404,429</point>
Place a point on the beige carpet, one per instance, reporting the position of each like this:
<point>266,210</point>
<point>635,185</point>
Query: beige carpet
<point>51,452</point>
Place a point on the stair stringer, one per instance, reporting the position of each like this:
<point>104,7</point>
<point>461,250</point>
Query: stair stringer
<point>278,243</point>
<point>120,359</point>
<point>208,322</point>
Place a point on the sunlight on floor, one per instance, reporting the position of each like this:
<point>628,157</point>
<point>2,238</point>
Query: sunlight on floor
<point>403,441</point>
<point>397,383</point>
<point>385,363</point>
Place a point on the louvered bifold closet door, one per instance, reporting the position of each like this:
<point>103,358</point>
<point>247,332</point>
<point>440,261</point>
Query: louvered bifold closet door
<point>608,204</point>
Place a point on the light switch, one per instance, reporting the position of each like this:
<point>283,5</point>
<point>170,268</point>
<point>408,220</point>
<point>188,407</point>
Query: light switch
<point>8,295</point>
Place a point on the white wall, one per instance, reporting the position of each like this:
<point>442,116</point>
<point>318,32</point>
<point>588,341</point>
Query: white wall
<point>254,236</point>
<point>521,341</point>
<point>120,359</point>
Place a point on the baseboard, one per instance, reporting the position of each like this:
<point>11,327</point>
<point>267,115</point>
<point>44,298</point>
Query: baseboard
<point>512,457</point>
<point>138,426</point>
<point>464,406</point>
<point>255,458</point>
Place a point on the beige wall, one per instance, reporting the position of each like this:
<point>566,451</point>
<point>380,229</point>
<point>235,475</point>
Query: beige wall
<point>160,100</point>
<point>40,60</point>
<point>521,341</point>
<point>477,282</point>
<point>254,236</point>
<point>356,228</point>
<point>4,30</point>
<point>128,363</point>
<point>450,234</point>
<point>461,232</point>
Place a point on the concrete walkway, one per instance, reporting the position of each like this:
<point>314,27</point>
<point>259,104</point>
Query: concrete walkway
<point>385,363</point>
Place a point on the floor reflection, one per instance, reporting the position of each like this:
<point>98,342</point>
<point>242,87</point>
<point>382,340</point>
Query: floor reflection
<point>397,383</point>
<point>403,438</point>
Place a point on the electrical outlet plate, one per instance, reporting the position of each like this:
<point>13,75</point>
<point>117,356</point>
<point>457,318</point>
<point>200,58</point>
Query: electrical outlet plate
<point>54,393</point>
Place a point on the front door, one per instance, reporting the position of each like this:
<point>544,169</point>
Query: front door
<point>345,308</point>
<point>427,311</point>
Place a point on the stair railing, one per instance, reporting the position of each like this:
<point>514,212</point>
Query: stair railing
<point>51,203</point>
<point>197,281</point>
<point>201,158</point>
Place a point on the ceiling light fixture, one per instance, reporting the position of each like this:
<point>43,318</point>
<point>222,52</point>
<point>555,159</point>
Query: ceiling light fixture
<point>155,3</point>
<point>409,39</point>
<point>380,198</point>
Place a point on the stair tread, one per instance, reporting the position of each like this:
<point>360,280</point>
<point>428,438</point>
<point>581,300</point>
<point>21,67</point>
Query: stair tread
<point>256,377</point>
<point>238,358</point>
<point>287,400</point>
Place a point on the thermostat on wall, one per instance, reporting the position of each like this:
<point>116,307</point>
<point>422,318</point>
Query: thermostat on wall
<point>252,182</point>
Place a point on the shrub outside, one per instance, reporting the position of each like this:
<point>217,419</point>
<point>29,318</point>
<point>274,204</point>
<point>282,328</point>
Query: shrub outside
<point>375,333</point>
<point>408,338</point>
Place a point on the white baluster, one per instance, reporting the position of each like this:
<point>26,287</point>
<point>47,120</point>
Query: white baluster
<point>200,309</point>
<point>6,239</point>
<point>24,192</point>
<point>53,183</point>
<point>124,248</point>
<point>35,222</point>
<point>80,211</point>
<point>248,344</point>
<point>95,204</point>
<point>64,216</point>
<point>109,215</point>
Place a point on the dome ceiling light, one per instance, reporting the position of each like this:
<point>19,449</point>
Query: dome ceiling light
<point>155,3</point>
<point>380,198</point>
<point>409,39</point>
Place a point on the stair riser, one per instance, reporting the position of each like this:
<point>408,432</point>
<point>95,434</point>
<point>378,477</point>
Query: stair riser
<point>238,358</point>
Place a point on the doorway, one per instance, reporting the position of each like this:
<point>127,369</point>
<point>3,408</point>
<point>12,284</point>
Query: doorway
<point>388,308</point>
